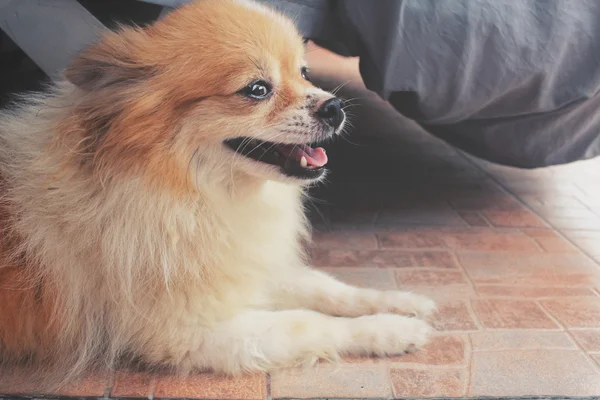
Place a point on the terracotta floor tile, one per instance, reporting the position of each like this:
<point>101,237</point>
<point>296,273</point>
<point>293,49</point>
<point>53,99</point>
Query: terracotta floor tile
<point>513,314</point>
<point>540,233</point>
<point>381,258</point>
<point>437,216</point>
<point>482,201</point>
<point>18,381</point>
<point>443,349</point>
<point>474,218</point>
<point>566,212</point>
<point>511,373</point>
<point>210,386</point>
<point>588,339</point>
<point>327,381</point>
<point>453,315</point>
<point>586,240</point>
<point>588,185</point>
<point>344,240</point>
<point>514,219</point>
<point>351,258</point>
<point>91,385</point>
<point>490,240</point>
<point>417,383</point>
<point>429,277</point>
<point>371,360</point>
<point>595,208</point>
<point>467,239</point>
<point>435,259</point>
<point>550,241</point>
<point>132,384</point>
<point>443,294</point>
<point>411,240</point>
<point>554,201</point>
<point>592,224</point>
<point>532,292</point>
<point>382,279</point>
<point>556,245</point>
<point>541,188</point>
<point>521,340</point>
<point>546,270</point>
<point>581,312</point>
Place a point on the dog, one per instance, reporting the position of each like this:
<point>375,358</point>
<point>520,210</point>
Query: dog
<point>152,207</point>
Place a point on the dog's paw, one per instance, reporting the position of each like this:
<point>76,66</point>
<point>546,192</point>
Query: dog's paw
<point>405,303</point>
<point>388,334</point>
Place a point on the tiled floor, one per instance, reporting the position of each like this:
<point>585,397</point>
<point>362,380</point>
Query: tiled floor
<point>512,257</point>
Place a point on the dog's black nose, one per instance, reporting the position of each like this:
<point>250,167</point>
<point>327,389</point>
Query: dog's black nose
<point>331,112</point>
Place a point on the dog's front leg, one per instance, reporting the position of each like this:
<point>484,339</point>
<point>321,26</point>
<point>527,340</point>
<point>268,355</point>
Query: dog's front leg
<point>315,290</point>
<point>267,340</point>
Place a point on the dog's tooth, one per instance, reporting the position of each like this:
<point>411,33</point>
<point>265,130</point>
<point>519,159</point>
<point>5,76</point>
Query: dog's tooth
<point>303,162</point>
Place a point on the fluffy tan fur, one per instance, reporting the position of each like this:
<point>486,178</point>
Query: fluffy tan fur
<point>130,230</point>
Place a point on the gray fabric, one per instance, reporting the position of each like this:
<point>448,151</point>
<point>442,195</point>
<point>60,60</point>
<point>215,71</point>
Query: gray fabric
<point>50,32</point>
<point>511,81</point>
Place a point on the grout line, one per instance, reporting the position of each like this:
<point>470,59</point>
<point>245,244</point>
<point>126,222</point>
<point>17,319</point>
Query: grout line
<point>433,268</point>
<point>438,229</point>
<point>456,332</point>
<point>152,387</point>
<point>268,387</point>
<point>378,246</point>
<point>431,367</point>
<point>388,371</point>
<point>549,314</point>
<point>110,382</point>
<point>391,272</point>
<point>376,216</point>
<point>469,301</point>
<point>427,367</point>
<point>454,256</point>
<point>474,316</point>
<point>499,330</point>
<point>482,215</point>
<point>587,355</point>
<point>505,349</point>
<point>470,365</point>
<point>585,194</point>
<point>585,329</point>
<point>539,245</point>
<point>526,298</point>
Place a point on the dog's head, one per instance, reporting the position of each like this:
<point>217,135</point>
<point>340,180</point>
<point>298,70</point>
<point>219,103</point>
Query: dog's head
<point>215,89</point>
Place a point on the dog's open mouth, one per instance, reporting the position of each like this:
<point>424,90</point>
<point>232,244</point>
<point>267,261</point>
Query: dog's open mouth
<point>295,160</point>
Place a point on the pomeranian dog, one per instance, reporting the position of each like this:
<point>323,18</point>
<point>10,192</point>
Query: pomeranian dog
<point>152,207</point>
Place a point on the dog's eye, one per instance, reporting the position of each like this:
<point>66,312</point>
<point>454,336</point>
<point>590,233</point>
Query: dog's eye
<point>257,90</point>
<point>304,72</point>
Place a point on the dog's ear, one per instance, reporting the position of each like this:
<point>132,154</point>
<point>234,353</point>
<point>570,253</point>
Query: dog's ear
<point>113,60</point>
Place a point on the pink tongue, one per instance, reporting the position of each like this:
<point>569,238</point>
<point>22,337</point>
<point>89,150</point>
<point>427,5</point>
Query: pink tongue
<point>314,157</point>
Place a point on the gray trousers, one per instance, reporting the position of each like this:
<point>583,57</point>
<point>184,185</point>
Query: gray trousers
<point>512,81</point>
